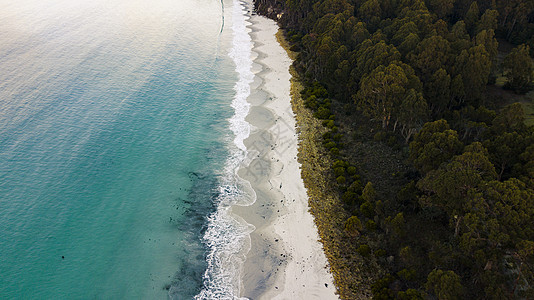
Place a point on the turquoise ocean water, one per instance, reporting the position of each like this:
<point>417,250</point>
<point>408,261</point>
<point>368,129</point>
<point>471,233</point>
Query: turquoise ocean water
<point>121,125</point>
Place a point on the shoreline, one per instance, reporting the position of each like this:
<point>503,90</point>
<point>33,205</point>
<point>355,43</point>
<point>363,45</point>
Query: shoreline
<point>286,259</point>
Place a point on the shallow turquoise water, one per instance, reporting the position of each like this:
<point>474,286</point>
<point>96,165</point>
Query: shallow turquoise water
<point>113,136</point>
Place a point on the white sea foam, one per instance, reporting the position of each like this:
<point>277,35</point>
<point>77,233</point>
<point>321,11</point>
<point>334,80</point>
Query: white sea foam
<point>228,236</point>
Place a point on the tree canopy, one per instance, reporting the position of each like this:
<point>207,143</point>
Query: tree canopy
<point>454,206</point>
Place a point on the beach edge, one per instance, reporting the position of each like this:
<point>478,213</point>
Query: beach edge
<point>286,258</point>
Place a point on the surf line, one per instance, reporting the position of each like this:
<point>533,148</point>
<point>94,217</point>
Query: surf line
<point>227,236</point>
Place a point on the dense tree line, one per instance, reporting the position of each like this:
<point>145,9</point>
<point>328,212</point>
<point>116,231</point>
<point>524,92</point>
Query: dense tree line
<point>462,224</point>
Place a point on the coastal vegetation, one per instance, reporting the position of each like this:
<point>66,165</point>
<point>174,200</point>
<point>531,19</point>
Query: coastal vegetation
<point>415,147</point>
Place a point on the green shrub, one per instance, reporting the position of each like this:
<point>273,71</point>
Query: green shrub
<point>409,294</point>
<point>398,224</point>
<point>369,192</point>
<point>322,113</point>
<point>334,151</point>
<point>294,48</point>
<point>341,179</point>
<point>349,197</point>
<point>353,226</point>
<point>330,145</point>
<point>406,254</point>
<point>407,274</point>
<point>356,187</point>
<point>364,250</point>
<point>380,136</point>
<point>446,284</point>
<point>294,37</point>
<point>311,102</point>
<point>330,124</point>
<point>316,89</point>
<point>380,253</point>
<point>351,170</point>
<point>380,288</point>
<point>339,171</point>
<point>367,209</point>
<point>340,163</point>
<point>338,137</point>
<point>379,208</point>
<point>392,141</point>
<point>370,225</point>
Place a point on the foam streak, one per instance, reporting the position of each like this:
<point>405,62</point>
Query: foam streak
<point>227,237</point>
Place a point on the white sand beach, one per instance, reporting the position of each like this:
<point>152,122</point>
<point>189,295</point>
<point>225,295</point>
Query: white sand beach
<point>286,260</point>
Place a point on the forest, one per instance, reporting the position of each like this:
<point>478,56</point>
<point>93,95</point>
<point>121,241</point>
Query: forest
<point>428,127</point>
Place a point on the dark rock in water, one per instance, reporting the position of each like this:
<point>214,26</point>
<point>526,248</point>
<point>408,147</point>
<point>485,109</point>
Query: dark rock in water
<point>195,174</point>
